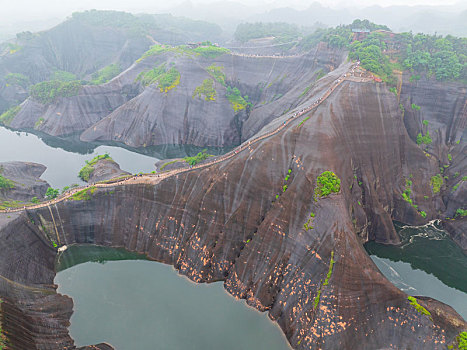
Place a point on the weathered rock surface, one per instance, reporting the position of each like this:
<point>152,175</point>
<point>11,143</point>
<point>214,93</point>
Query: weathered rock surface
<point>106,169</point>
<point>124,111</point>
<point>87,42</point>
<point>223,222</point>
<point>26,178</point>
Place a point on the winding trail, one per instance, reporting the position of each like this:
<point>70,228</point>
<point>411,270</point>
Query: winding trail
<point>349,75</point>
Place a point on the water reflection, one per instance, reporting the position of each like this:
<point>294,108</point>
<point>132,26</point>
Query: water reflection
<point>427,248</point>
<point>64,157</point>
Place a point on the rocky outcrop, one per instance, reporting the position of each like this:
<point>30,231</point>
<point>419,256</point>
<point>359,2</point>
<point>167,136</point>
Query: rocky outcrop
<point>443,116</point>
<point>105,169</point>
<point>125,111</point>
<point>89,41</point>
<point>234,221</point>
<point>26,181</point>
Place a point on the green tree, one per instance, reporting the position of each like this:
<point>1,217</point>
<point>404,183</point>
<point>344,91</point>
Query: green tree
<point>52,193</point>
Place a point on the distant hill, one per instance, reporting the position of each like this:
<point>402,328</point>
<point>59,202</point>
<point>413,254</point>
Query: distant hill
<point>86,43</point>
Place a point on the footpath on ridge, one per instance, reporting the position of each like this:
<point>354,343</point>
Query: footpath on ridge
<point>351,75</point>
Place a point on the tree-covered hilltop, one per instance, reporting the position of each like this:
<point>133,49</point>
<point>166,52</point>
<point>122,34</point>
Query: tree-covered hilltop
<point>279,30</point>
<point>381,51</point>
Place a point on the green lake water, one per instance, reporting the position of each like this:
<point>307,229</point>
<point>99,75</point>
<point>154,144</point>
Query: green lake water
<point>427,263</point>
<point>140,304</point>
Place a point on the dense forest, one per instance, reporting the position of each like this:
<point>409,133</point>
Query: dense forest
<point>382,51</point>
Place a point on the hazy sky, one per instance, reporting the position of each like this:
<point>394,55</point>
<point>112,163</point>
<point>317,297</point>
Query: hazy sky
<point>15,11</point>
<point>46,8</point>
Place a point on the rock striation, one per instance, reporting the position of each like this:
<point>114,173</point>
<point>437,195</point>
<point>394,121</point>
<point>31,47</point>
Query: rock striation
<point>26,181</point>
<point>235,221</point>
<point>124,110</point>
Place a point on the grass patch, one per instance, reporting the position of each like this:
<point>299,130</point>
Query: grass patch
<point>436,182</point>
<point>217,72</point>
<point>7,117</point>
<point>17,79</point>
<point>106,74</point>
<point>237,101</point>
<point>418,307</point>
<point>166,79</point>
<point>304,120</point>
<point>86,171</point>
<point>84,195</point>
<point>5,183</point>
<point>168,163</point>
<point>39,122</point>
<point>326,281</point>
<point>305,91</point>
<point>10,204</point>
<point>461,212</point>
<point>207,90</point>
<point>211,51</point>
<point>48,92</point>
<point>154,50</point>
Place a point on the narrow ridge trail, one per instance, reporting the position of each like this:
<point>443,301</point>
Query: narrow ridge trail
<point>156,178</point>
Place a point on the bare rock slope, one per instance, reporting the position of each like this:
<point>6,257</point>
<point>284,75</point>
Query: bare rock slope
<point>234,221</point>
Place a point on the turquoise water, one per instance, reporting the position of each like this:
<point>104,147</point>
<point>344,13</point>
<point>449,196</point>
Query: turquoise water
<point>427,263</point>
<point>140,304</point>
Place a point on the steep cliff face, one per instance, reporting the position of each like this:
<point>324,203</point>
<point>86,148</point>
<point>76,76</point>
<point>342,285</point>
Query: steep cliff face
<point>235,221</point>
<point>125,111</point>
<point>443,117</point>
<point>89,41</point>
<point>72,114</point>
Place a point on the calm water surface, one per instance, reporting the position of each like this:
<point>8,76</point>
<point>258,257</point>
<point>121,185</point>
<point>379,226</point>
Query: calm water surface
<point>140,304</point>
<point>65,157</point>
<point>125,300</point>
<point>427,263</point>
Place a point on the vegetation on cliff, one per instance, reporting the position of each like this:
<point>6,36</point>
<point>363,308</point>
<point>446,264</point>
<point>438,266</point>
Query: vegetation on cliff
<point>166,79</point>
<point>17,79</point>
<point>418,307</point>
<point>326,281</point>
<point>84,195</point>
<point>204,49</point>
<point>203,155</point>
<point>217,72</point>
<point>5,184</point>
<point>460,342</point>
<point>327,183</point>
<point>49,91</point>
<point>206,89</point>
<point>381,51</point>
<point>236,99</point>
<point>106,74</point>
<point>7,117</point>
<point>436,182</point>
<point>62,75</point>
<point>86,171</point>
